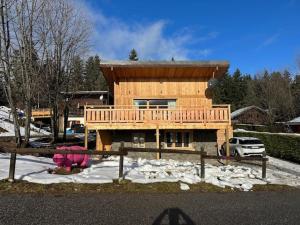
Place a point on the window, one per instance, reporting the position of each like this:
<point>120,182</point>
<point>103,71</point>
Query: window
<point>141,104</point>
<point>250,142</point>
<point>233,141</point>
<point>138,140</point>
<point>162,103</point>
<point>178,139</point>
<point>154,103</point>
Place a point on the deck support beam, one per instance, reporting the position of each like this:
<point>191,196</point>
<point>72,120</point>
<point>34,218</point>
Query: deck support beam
<point>98,141</point>
<point>86,133</point>
<point>227,144</point>
<point>158,155</point>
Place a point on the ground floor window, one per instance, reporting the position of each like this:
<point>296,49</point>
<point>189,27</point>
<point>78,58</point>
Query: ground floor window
<point>178,139</point>
<point>138,140</point>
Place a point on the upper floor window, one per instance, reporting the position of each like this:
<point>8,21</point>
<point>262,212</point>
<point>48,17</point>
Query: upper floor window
<point>155,103</point>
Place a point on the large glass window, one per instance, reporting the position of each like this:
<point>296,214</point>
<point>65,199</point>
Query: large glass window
<point>141,104</point>
<point>178,139</point>
<point>154,103</point>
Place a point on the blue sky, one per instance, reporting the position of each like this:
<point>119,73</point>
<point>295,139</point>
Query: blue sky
<point>252,34</point>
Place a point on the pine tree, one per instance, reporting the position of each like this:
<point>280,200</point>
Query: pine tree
<point>77,79</point>
<point>133,56</point>
<point>94,79</point>
<point>296,94</point>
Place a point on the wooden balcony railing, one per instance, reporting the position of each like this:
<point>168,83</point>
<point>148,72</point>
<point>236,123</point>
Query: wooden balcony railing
<point>41,112</point>
<point>131,114</point>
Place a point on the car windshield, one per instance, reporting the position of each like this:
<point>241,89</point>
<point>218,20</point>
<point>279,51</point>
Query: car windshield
<point>250,142</point>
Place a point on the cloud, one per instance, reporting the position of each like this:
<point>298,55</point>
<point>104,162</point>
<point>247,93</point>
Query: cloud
<point>268,41</point>
<point>113,39</point>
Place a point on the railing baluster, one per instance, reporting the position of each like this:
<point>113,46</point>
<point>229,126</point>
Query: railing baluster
<point>108,114</point>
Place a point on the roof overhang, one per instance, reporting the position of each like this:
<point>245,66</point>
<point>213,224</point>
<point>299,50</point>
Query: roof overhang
<point>114,70</point>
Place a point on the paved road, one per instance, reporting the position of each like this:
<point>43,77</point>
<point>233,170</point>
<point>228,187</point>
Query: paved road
<point>182,208</point>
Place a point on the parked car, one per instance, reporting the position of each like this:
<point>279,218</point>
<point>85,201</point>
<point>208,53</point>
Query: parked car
<point>244,146</point>
<point>40,142</point>
<point>77,128</point>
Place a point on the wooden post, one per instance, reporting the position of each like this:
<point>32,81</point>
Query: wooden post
<point>227,144</point>
<point>86,133</point>
<point>12,167</point>
<point>97,140</point>
<point>121,162</point>
<point>158,155</point>
<point>264,168</point>
<point>202,155</point>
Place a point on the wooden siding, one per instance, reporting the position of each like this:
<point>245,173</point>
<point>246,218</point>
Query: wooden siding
<point>186,91</point>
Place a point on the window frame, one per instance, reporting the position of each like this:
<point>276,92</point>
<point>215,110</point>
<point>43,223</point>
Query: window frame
<point>174,133</point>
<point>148,106</point>
<point>139,135</point>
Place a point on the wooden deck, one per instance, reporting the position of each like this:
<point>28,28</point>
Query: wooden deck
<point>129,117</point>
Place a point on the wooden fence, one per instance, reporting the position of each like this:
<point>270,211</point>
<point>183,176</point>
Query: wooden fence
<point>123,151</point>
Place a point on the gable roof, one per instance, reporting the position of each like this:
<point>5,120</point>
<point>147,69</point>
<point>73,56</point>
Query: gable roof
<point>245,109</point>
<point>113,70</point>
<point>295,121</point>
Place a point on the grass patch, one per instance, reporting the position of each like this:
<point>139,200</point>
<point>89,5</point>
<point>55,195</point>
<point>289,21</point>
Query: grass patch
<point>122,187</point>
<point>273,187</point>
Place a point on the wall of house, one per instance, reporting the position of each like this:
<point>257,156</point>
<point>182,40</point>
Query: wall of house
<point>201,138</point>
<point>187,91</point>
<point>252,116</point>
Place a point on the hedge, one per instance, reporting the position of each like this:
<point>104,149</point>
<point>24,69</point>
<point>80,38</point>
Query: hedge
<point>284,146</point>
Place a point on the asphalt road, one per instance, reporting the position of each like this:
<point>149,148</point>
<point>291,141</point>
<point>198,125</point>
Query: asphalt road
<point>144,208</point>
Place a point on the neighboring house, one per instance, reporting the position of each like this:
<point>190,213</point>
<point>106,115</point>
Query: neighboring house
<point>160,104</point>
<point>250,115</point>
<point>294,124</point>
<point>76,102</point>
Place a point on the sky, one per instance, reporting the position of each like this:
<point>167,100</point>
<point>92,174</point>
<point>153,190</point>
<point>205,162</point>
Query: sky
<point>253,35</point>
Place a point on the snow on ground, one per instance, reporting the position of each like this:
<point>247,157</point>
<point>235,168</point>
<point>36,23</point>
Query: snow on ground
<point>34,169</point>
<point>282,164</point>
<point>6,123</point>
<point>258,132</point>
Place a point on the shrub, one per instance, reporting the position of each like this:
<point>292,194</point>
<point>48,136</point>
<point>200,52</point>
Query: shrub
<point>277,145</point>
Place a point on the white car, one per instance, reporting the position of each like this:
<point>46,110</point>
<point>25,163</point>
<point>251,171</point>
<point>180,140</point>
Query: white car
<point>244,146</point>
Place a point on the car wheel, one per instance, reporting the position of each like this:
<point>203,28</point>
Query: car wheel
<point>221,152</point>
<point>236,153</point>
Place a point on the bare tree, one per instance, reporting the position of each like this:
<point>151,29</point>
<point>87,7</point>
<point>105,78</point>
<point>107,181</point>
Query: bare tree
<point>6,54</point>
<point>27,43</point>
<point>273,92</point>
<point>65,33</point>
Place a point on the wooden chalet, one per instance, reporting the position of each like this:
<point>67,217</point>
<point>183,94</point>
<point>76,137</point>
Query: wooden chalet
<point>163,104</point>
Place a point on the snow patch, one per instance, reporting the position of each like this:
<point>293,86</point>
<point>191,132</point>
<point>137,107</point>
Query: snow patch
<point>35,169</point>
<point>184,187</point>
<point>6,122</point>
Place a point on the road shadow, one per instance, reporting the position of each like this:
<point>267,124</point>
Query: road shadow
<point>173,216</point>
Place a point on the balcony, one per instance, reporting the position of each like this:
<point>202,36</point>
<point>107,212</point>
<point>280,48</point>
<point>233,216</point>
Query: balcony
<point>41,113</point>
<point>130,117</point>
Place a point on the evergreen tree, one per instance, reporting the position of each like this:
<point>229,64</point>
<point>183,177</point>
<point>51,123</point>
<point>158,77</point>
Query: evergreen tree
<point>296,94</point>
<point>94,79</point>
<point>133,56</point>
<point>77,77</point>
<point>232,90</point>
